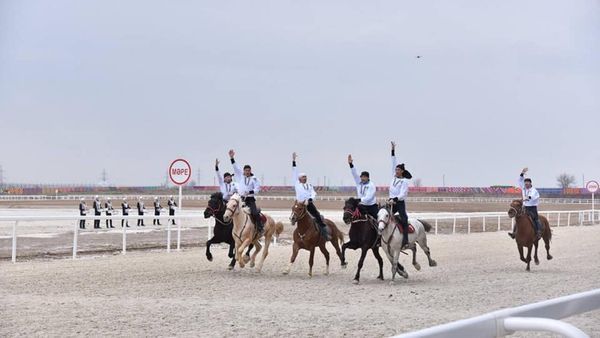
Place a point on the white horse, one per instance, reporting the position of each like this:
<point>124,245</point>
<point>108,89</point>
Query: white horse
<point>391,240</point>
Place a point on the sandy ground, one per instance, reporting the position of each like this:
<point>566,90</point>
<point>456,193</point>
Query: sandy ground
<point>153,293</point>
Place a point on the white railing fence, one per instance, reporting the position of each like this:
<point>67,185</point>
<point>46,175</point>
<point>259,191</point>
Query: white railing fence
<point>322,196</point>
<point>76,230</point>
<point>542,316</point>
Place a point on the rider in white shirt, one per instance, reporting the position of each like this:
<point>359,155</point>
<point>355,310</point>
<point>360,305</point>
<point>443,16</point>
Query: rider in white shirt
<point>248,186</point>
<point>399,193</point>
<point>531,200</point>
<point>305,193</point>
<point>365,190</point>
<point>226,184</point>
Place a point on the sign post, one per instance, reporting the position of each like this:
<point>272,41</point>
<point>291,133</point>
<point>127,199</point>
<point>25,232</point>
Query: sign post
<point>593,186</point>
<point>180,172</point>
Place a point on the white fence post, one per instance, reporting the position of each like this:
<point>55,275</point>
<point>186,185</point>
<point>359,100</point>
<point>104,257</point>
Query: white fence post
<point>124,250</point>
<point>179,235</point>
<point>569,218</point>
<point>498,223</point>
<point>436,226</point>
<point>469,225</point>
<point>75,237</point>
<point>454,226</point>
<point>14,242</point>
<point>558,220</point>
<point>483,223</point>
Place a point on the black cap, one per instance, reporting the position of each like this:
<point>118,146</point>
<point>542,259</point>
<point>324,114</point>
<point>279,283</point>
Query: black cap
<point>365,173</point>
<point>247,166</point>
<point>227,174</point>
<point>528,180</point>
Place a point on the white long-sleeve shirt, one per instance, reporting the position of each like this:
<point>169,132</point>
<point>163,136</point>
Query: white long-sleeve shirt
<point>227,189</point>
<point>531,197</point>
<point>365,191</point>
<point>304,191</point>
<point>245,184</point>
<point>398,186</point>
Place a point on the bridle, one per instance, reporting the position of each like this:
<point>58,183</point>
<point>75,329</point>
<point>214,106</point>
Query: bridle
<point>355,215</point>
<point>518,212</point>
<point>237,204</point>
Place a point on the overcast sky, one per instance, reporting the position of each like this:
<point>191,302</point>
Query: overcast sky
<point>130,85</point>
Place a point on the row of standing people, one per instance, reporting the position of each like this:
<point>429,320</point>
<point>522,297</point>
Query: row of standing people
<point>109,210</point>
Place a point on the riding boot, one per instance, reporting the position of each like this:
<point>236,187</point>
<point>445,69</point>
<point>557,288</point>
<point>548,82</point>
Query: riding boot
<point>324,231</point>
<point>538,230</point>
<point>259,226</point>
<point>405,239</point>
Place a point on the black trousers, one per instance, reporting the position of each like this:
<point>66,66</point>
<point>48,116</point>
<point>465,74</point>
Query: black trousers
<point>82,223</point>
<point>97,221</point>
<point>172,213</point>
<point>140,220</point>
<point>533,213</point>
<point>400,208</point>
<point>372,210</point>
<point>156,221</point>
<point>109,221</point>
<point>251,203</point>
<point>312,210</point>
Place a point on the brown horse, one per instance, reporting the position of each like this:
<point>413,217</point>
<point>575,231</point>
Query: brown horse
<point>525,232</point>
<point>307,236</point>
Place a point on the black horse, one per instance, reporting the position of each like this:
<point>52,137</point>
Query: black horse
<point>222,231</point>
<point>363,234</point>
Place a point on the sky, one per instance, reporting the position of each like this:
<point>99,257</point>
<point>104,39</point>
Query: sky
<point>128,86</point>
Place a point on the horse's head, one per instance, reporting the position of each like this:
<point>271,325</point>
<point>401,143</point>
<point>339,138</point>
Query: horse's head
<point>298,212</point>
<point>351,211</point>
<point>233,207</point>
<point>516,208</point>
<point>215,204</point>
<point>383,218</point>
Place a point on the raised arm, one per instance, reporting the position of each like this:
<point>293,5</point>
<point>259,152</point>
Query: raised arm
<point>394,160</point>
<point>353,170</point>
<point>521,181</point>
<point>294,169</point>
<point>236,168</point>
<point>219,177</point>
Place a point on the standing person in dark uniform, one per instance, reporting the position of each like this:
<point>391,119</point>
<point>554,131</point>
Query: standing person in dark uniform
<point>125,208</point>
<point>172,206</point>
<point>109,211</point>
<point>398,194</point>
<point>248,187</point>
<point>157,208</point>
<point>82,212</point>
<point>365,190</point>
<point>97,211</point>
<point>141,209</point>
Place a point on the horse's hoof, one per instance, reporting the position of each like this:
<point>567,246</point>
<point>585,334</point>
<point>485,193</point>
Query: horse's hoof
<point>432,263</point>
<point>252,264</point>
<point>344,265</point>
<point>209,257</point>
<point>355,282</point>
<point>286,272</point>
<point>527,269</point>
<point>537,262</point>
<point>309,275</point>
<point>246,259</point>
<point>417,266</point>
<point>549,257</point>
<point>230,255</point>
<point>403,274</point>
<point>380,278</point>
<point>230,267</point>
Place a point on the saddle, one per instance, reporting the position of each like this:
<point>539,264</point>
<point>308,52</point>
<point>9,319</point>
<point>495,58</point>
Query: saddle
<point>411,229</point>
<point>263,218</point>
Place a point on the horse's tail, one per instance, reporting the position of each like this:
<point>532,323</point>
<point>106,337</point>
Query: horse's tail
<point>426,225</point>
<point>278,229</point>
<point>340,236</point>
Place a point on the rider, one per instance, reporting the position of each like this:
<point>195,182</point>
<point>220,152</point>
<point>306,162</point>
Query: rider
<point>398,193</point>
<point>531,199</point>
<point>248,186</point>
<point>305,193</point>
<point>226,184</point>
<point>366,190</point>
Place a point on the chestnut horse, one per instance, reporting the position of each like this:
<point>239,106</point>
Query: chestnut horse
<point>307,236</point>
<point>222,230</point>
<point>364,235</point>
<point>525,232</point>
<point>244,231</point>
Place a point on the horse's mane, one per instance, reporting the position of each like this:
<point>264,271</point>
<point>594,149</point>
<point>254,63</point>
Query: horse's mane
<point>216,195</point>
<point>353,201</point>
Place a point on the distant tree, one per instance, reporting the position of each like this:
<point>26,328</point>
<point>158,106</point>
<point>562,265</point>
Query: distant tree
<point>417,182</point>
<point>565,180</point>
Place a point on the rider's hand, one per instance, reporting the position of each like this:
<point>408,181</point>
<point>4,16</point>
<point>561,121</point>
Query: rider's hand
<point>231,153</point>
<point>294,156</point>
<point>217,162</point>
<point>350,159</point>
<point>525,170</point>
<point>393,145</point>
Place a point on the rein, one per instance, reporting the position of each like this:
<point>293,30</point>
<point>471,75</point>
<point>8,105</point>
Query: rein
<point>300,217</point>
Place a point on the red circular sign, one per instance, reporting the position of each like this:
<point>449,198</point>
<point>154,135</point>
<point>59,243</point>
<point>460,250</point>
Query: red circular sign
<point>180,171</point>
<point>592,186</point>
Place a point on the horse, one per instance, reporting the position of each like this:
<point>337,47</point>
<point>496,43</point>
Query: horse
<point>525,232</point>
<point>222,230</point>
<point>363,235</point>
<point>391,239</point>
<point>307,236</point>
<point>244,231</point>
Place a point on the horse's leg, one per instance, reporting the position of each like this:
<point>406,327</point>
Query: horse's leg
<point>414,262</point>
<point>240,251</point>
<point>547,243</point>
<point>209,256</point>
<point>336,245</point>
<point>528,257</point>
<point>326,254</point>
<point>535,256</point>
<point>363,254</point>
<point>247,256</point>
<point>379,260</point>
<point>268,240</point>
<point>423,244</point>
<point>295,250</point>
<point>311,260</point>
<point>258,247</point>
<point>520,248</point>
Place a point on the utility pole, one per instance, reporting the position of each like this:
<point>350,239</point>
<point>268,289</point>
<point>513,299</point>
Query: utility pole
<point>198,177</point>
<point>1,176</point>
<point>104,177</point>
<point>444,180</point>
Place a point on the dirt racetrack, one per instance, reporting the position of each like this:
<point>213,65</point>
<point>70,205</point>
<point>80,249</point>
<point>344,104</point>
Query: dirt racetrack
<point>153,293</point>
